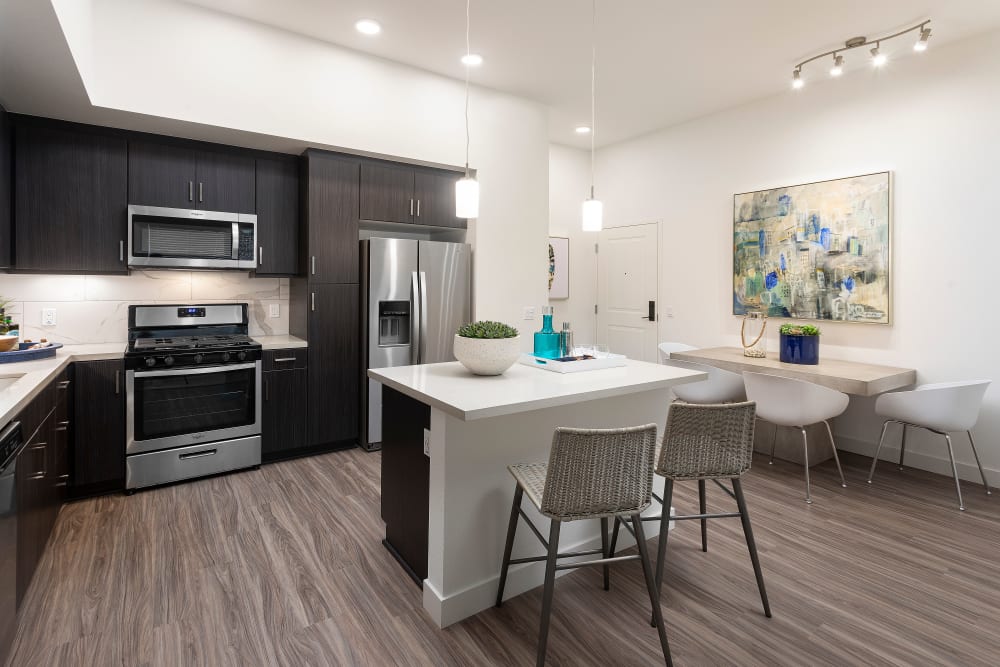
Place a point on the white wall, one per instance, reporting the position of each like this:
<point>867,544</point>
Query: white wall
<point>931,119</point>
<point>569,185</point>
<point>179,61</point>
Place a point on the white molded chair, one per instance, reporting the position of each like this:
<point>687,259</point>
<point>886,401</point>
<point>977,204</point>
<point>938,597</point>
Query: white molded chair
<point>788,402</point>
<point>721,386</point>
<point>938,408</point>
<point>667,348</point>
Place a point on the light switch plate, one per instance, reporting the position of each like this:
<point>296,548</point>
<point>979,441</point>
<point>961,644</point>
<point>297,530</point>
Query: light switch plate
<point>274,310</point>
<point>427,442</point>
<point>668,311</point>
<point>529,312</point>
<point>48,317</point>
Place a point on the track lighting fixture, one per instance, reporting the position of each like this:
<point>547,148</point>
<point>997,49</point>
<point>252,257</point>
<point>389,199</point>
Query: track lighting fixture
<point>878,58</point>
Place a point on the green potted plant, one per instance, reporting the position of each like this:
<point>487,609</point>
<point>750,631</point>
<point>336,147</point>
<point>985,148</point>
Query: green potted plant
<point>487,348</point>
<point>799,344</point>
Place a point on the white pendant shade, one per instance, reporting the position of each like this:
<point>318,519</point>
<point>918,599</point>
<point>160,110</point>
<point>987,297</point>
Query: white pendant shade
<point>467,198</point>
<point>593,215</point>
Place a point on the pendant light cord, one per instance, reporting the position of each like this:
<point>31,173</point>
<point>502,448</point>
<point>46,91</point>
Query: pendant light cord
<point>593,89</point>
<point>468,49</point>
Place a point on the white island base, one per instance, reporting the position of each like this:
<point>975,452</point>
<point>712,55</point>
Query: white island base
<point>479,426</point>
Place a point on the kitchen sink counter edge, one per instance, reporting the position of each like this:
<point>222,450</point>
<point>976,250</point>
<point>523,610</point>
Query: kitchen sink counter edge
<point>282,342</point>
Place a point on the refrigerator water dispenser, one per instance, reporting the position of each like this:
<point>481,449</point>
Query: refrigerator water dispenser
<point>393,323</point>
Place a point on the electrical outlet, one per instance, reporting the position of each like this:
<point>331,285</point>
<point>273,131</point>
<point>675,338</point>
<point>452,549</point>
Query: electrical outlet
<point>529,312</point>
<point>48,317</point>
<point>427,442</point>
<point>274,310</point>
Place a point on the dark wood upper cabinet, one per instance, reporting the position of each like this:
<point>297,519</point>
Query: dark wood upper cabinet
<point>99,428</point>
<point>161,175</point>
<point>225,182</point>
<point>6,165</point>
<point>387,192</point>
<point>70,191</point>
<point>331,218</point>
<point>435,194</point>
<point>333,364</point>
<point>277,216</point>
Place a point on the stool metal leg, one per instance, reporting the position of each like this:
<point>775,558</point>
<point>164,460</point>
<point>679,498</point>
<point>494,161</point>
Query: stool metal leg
<point>836,458</point>
<point>902,447</point>
<point>661,546</point>
<point>511,530</point>
<point>774,437</point>
<point>981,473</point>
<point>871,473</point>
<point>954,471</point>
<point>701,510</point>
<point>805,451</point>
<point>647,571</point>
<point>605,553</point>
<point>614,536</point>
<point>751,545</point>
<point>550,583</point>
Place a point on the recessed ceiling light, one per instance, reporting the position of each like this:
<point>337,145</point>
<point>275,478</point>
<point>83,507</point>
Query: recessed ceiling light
<point>368,27</point>
<point>582,129</point>
<point>472,59</point>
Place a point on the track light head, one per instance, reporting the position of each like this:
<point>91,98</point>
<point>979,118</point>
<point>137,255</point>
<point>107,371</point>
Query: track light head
<point>921,44</point>
<point>797,81</point>
<point>878,58</point>
<point>838,65</point>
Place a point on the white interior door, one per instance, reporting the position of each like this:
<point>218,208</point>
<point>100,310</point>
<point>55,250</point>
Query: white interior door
<point>627,280</point>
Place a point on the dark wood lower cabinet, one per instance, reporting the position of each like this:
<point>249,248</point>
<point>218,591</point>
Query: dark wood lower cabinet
<point>99,428</point>
<point>284,419</point>
<point>405,480</point>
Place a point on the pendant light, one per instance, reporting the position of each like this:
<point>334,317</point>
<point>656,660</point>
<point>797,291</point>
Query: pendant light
<point>467,187</point>
<point>593,209</point>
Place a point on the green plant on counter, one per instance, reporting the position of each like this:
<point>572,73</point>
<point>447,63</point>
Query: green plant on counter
<point>487,329</point>
<point>799,330</point>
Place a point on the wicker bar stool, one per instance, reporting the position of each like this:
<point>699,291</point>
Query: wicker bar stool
<point>591,474</point>
<point>705,442</point>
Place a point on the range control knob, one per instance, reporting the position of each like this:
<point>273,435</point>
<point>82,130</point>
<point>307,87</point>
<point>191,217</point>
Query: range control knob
<point>168,360</point>
<point>150,361</point>
<point>225,357</point>
<point>198,358</point>
<point>241,355</point>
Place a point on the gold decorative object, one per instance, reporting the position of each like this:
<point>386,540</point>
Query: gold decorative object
<point>757,348</point>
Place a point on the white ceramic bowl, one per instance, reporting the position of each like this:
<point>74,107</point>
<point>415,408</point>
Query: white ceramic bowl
<point>487,356</point>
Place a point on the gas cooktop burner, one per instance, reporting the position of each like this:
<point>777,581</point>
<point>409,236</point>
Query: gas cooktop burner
<point>192,343</point>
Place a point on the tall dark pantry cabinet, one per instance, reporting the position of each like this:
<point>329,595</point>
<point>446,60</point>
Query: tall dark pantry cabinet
<point>323,307</point>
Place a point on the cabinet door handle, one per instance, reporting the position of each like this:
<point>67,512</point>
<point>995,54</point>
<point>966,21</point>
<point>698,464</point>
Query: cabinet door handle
<point>118,382</point>
<point>418,208</point>
<point>190,190</point>
<point>313,296</point>
<point>411,206</point>
<point>314,265</point>
<point>262,255</point>
<point>63,384</point>
<point>284,359</point>
<point>121,251</point>
<point>201,192</point>
<point>44,469</point>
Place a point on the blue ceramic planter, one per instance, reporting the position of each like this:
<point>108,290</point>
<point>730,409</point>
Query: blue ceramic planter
<point>799,349</point>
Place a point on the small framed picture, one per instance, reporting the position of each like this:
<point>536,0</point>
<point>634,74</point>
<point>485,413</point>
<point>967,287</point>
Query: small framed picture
<point>558,267</point>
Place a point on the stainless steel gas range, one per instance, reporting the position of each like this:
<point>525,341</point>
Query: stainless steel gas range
<point>193,393</point>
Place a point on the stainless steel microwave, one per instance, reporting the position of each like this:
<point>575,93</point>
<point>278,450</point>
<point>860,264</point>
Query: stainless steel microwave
<point>191,239</point>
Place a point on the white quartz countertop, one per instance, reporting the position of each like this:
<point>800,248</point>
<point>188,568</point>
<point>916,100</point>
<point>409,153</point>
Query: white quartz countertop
<point>456,391</point>
<point>33,376</point>
<point>280,342</point>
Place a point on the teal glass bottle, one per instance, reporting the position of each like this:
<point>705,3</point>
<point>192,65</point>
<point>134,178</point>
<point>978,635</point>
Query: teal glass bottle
<point>547,340</point>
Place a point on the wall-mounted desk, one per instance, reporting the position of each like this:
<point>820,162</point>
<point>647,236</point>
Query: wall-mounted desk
<point>850,377</point>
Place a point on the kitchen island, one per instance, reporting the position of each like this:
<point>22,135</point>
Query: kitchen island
<point>446,511</point>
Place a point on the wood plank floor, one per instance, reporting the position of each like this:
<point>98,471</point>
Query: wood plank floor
<point>283,566</point>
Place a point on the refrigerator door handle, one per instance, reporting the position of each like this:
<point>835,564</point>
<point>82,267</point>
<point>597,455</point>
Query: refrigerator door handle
<point>423,316</point>
<point>415,312</point>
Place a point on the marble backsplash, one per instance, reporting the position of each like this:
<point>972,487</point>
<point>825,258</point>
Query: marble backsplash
<point>94,309</point>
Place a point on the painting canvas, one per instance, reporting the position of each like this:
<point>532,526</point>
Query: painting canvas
<point>817,251</point>
<point>558,268</point>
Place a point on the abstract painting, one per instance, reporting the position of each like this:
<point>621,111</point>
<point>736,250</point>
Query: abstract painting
<point>558,267</point>
<point>818,251</point>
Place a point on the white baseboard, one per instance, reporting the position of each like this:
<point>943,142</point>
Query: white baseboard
<point>936,464</point>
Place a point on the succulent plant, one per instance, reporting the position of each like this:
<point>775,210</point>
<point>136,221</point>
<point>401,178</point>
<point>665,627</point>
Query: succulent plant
<point>799,330</point>
<point>487,329</point>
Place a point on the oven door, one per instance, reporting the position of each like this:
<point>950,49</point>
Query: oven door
<point>190,406</point>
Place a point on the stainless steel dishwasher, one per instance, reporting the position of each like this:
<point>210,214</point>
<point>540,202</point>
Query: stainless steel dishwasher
<point>11,444</point>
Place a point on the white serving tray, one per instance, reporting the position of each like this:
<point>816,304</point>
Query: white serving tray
<point>610,361</point>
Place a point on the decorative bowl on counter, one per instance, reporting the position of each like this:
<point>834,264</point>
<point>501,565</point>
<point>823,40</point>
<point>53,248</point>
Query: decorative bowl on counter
<point>8,343</point>
<point>487,348</point>
<point>28,352</point>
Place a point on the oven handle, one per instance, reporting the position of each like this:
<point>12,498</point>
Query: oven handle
<point>197,455</point>
<point>196,371</point>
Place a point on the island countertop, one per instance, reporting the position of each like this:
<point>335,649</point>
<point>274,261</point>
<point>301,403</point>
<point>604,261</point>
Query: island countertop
<point>451,388</point>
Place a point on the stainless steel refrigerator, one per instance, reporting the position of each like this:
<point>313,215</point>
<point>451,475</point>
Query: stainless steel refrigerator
<point>414,297</point>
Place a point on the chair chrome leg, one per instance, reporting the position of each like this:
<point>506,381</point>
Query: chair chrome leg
<point>509,545</point>
<point>604,552</point>
<point>774,437</point>
<point>701,510</point>
<point>954,471</point>
<point>751,545</point>
<point>902,446</point>
<point>805,451</point>
<point>836,458</point>
<point>981,473</point>
<point>550,583</point>
<point>871,473</point>
<point>614,536</point>
<point>654,600</point>
<point>661,545</point>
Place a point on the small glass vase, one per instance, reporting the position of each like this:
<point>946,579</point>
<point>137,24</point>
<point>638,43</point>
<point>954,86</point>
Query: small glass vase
<point>547,340</point>
<point>752,335</point>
